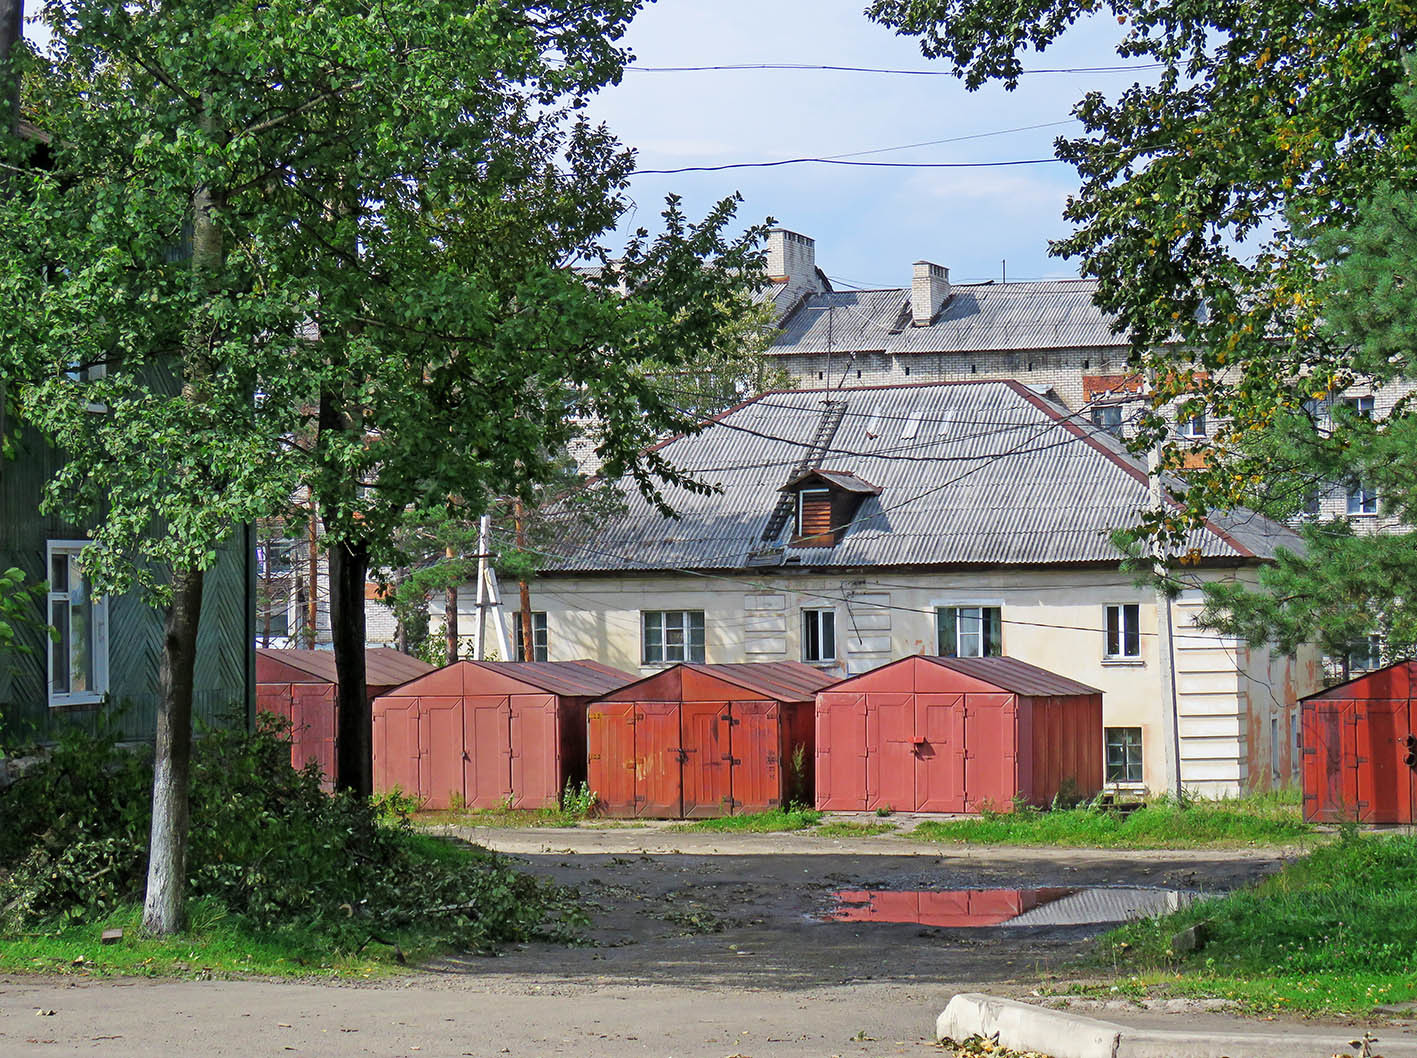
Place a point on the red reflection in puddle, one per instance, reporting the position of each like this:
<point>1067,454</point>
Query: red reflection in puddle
<point>961,907</point>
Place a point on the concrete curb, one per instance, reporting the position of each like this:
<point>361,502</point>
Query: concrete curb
<point>1024,1027</point>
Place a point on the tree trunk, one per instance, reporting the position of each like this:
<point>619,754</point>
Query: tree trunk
<point>163,906</point>
<point>349,571</point>
<point>450,617</point>
<point>11,32</point>
<point>312,600</point>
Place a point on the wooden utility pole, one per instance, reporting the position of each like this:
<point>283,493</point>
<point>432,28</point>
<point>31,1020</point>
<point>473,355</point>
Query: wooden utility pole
<point>1165,644</point>
<point>525,633</point>
<point>450,616</point>
<point>11,33</point>
<point>312,598</point>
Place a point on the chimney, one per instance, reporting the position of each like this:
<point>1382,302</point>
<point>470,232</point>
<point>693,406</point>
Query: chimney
<point>929,289</point>
<point>791,256</point>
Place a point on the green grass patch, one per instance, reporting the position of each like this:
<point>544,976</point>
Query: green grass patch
<point>1335,932</point>
<point>1160,824</point>
<point>499,818</point>
<point>772,821</point>
<point>850,828</point>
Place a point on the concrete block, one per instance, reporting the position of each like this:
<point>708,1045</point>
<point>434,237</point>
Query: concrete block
<point>1024,1027</point>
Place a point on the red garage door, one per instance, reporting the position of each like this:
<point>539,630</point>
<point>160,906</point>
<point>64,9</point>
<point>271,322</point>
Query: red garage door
<point>536,751</point>
<point>706,757</point>
<point>841,752</point>
<point>939,753</point>
<point>1384,780</point>
<point>611,764</point>
<point>990,751</point>
<point>755,742</point>
<point>890,763</point>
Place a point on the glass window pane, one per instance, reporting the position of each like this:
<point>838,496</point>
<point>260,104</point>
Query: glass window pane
<point>947,643</point>
<point>994,632</point>
<point>1131,642</point>
<point>811,646</point>
<point>967,619</point>
<point>60,648</point>
<point>828,635</point>
<point>59,573</point>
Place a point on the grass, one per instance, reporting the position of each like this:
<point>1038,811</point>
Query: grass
<point>850,828</point>
<point>774,820</point>
<point>500,817</point>
<point>1333,933</point>
<point>1161,824</point>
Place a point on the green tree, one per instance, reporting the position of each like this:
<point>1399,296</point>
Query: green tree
<point>287,246</point>
<point>1210,207</point>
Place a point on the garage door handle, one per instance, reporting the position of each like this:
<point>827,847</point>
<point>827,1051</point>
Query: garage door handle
<point>683,756</point>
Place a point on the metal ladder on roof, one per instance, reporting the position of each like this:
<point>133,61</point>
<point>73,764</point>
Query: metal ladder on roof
<point>827,426</point>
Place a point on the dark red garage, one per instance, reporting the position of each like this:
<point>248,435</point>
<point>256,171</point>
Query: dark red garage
<point>704,740</point>
<point>485,733</point>
<point>1356,748</point>
<point>300,686</point>
<point>932,734</point>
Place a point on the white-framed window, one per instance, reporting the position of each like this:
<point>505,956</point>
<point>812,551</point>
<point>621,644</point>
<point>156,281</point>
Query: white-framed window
<point>1360,406</point>
<point>1123,635</point>
<point>274,573</point>
<point>1362,499</point>
<point>539,641</point>
<point>1194,427</point>
<point>969,631</point>
<point>1109,418</point>
<point>818,635</point>
<point>672,635</point>
<point>78,654</point>
<point>1366,654</point>
<point>1124,763</point>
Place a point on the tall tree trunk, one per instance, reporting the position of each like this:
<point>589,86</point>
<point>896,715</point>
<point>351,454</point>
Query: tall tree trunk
<point>450,617</point>
<point>164,901</point>
<point>349,571</point>
<point>163,906</point>
<point>11,32</point>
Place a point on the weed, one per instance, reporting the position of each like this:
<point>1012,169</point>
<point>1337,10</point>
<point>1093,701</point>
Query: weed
<point>850,828</point>
<point>885,811</point>
<point>794,817</point>
<point>580,801</point>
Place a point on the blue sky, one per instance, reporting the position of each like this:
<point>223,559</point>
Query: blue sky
<point>870,224</point>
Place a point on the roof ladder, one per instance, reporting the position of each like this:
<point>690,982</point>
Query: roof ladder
<point>832,414</point>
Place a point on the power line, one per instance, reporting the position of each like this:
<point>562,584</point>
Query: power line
<point>821,67</point>
<point>841,161</point>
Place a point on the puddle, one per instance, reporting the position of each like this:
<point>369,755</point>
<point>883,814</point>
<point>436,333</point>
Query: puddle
<point>1003,907</point>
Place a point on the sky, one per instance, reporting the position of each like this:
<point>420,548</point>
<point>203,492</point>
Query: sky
<point>870,224</point>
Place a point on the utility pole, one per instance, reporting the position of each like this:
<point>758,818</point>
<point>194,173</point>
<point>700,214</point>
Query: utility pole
<point>524,632</point>
<point>11,33</point>
<point>1165,645</point>
<point>450,616</point>
<point>488,595</point>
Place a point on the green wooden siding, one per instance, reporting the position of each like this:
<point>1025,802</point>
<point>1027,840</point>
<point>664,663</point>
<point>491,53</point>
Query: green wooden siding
<point>225,676</point>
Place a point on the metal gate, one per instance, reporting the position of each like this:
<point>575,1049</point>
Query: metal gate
<point>841,751</point>
<point>536,751</point>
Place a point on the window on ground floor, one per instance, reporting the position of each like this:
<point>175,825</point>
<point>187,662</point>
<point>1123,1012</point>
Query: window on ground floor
<point>672,635</point>
<point>818,635</point>
<point>539,640</point>
<point>1124,754</point>
<point>78,651</point>
<point>969,631</point>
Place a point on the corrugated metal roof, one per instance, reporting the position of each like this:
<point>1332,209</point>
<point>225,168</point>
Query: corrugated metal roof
<point>984,317</point>
<point>383,666</point>
<point>1010,674</point>
<point>1090,906</point>
<point>579,678</point>
<point>971,473</point>
<point>842,479</point>
<point>787,681</point>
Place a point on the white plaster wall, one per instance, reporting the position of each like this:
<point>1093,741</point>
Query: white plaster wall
<point>1054,619</point>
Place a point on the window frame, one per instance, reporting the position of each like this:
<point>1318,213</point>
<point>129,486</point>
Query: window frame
<point>1361,501</point>
<point>98,630</point>
<point>1109,410</point>
<point>1194,427</point>
<point>1127,764</point>
<point>686,626</point>
<point>540,638</point>
<point>824,619</point>
<point>990,630</point>
<point>1360,407</point>
<point>1119,635</point>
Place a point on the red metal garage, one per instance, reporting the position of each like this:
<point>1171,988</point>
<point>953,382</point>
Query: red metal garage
<point>476,733</point>
<point>703,740</point>
<point>931,734</point>
<point>300,686</point>
<point>1356,744</point>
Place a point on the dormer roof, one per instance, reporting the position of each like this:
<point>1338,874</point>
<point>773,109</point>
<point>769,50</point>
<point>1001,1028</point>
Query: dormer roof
<point>844,480</point>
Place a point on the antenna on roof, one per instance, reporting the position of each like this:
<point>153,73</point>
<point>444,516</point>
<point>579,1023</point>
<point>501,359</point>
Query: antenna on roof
<point>1005,265</point>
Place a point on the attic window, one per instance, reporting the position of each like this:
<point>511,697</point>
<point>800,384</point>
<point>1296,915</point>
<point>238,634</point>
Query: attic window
<point>814,513</point>
<point>873,424</point>
<point>912,426</point>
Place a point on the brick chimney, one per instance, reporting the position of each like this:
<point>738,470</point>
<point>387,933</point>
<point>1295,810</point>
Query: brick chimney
<point>792,262</point>
<point>929,289</point>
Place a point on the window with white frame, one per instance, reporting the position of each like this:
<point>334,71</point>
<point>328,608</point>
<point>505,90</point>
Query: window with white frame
<point>78,651</point>
<point>818,635</point>
<point>539,641</point>
<point>672,635</point>
<point>1362,499</point>
<point>274,578</point>
<point>1366,654</point>
<point>1194,427</point>
<point>969,631</point>
<point>1123,638</point>
<point>1361,406</point>
<point>1124,765</point>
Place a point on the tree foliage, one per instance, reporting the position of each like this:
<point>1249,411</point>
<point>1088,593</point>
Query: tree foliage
<point>1218,209</point>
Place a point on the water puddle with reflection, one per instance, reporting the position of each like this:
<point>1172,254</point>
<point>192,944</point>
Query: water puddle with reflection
<point>1004,907</point>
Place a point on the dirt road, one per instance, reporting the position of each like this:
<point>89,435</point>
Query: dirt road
<point>705,946</point>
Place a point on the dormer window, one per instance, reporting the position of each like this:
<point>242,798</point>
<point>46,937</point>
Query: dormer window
<point>826,502</point>
<point>814,512</point>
